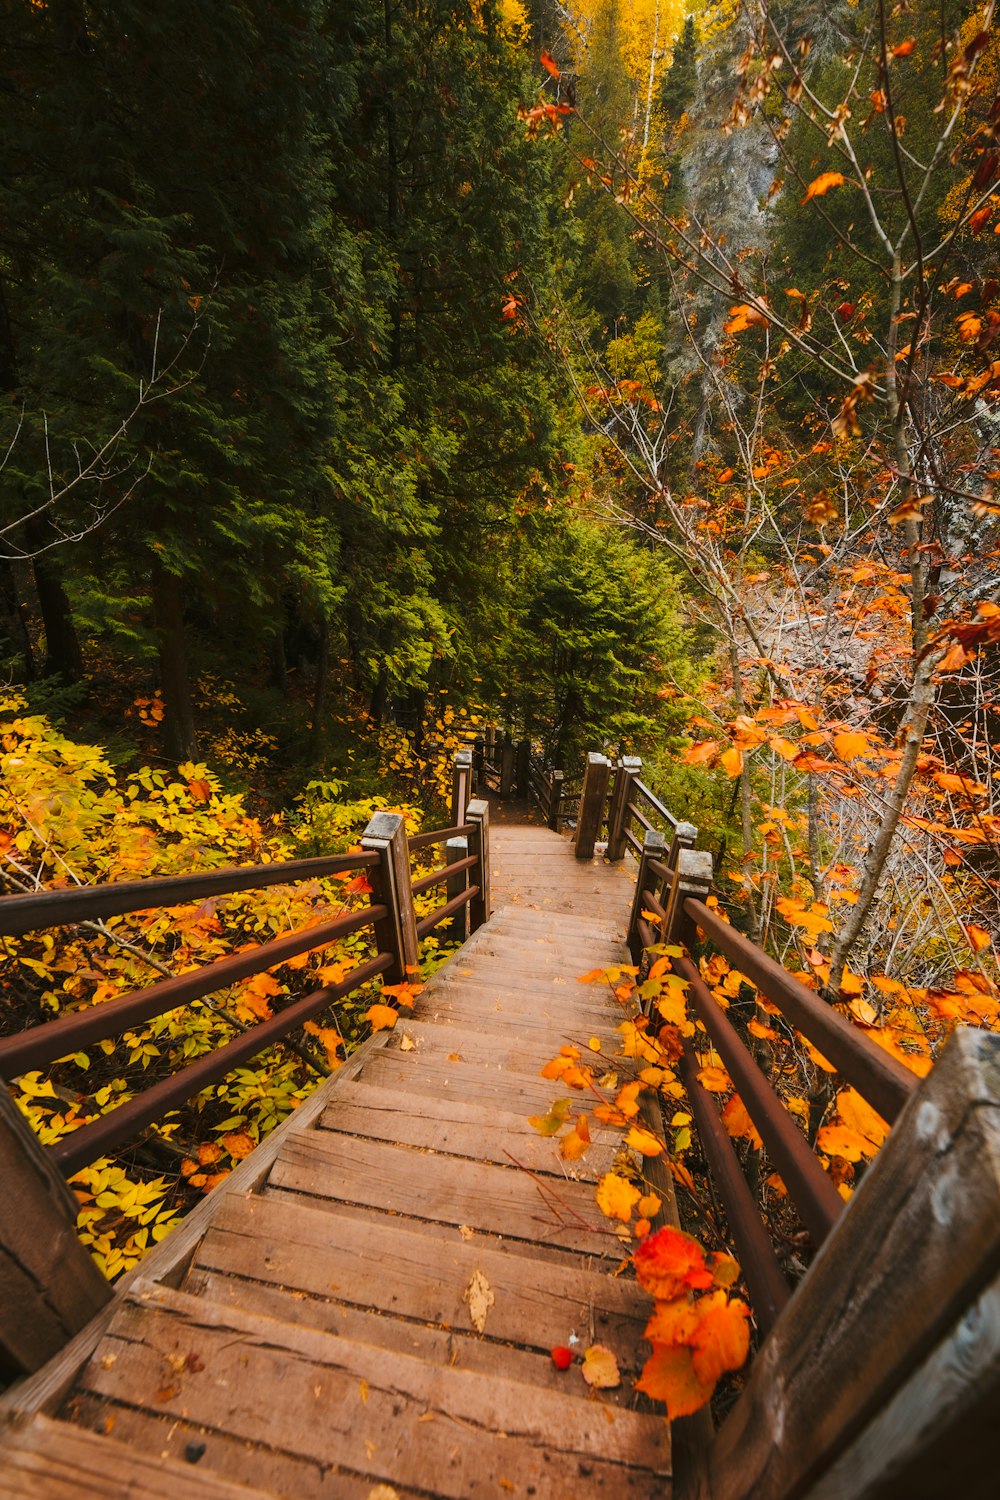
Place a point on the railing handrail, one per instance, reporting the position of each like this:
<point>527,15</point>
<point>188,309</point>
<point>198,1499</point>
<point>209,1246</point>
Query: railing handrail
<point>60,908</point>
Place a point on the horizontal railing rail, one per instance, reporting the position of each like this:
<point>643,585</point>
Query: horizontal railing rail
<point>60,908</point>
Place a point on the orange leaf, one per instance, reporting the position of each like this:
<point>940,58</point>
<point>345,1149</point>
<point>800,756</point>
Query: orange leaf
<point>722,1339</point>
<point>669,1376</point>
<point>822,184</point>
<point>701,755</point>
<point>716,1080</point>
<point>650,1205</point>
<point>239,1144</point>
<point>731,762</point>
<point>669,1263</point>
<point>739,1124</point>
<point>839,1140</point>
<point>978,937</point>
<point>382,1017</point>
<point>857,1114</point>
<point>573,1145</point>
<point>850,745</point>
<point>550,65</point>
<point>905,48</point>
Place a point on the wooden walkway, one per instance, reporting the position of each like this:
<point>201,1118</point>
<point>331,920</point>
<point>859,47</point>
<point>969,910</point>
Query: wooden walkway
<point>310,1331</point>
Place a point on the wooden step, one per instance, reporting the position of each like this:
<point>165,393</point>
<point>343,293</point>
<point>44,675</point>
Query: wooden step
<point>338,1411</point>
<point>49,1460</point>
<point>424,1184</point>
<point>316,1268</point>
<point>458,1127</point>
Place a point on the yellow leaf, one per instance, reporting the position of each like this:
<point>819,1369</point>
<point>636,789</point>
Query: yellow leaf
<point>643,1141</point>
<point>600,1368</point>
<point>616,1197</point>
<point>594,1044</point>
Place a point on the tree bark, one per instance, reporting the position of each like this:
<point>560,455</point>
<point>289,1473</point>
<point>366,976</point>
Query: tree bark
<point>180,739</point>
<point>62,644</point>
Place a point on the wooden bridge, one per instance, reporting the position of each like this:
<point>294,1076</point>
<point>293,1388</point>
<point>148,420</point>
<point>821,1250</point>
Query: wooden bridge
<point>365,1307</point>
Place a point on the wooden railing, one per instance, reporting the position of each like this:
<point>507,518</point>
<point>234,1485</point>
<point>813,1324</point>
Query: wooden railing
<point>49,1282</point>
<point>876,1373</point>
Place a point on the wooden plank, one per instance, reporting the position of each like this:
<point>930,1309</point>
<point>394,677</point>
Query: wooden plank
<point>169,1260</point>
<point>368,1410</point>
<point>458,1128</point>
<point>516,1046</point>
<point>50,1287</point>
<point>939,1435</point>
<point>918,1243</point>
<point>445,1190</point>
<point>330,1256</point>
<point>49,1460</point>
<point>170,1437</point>
<point>476,1082</point>
<point>456,1349</point>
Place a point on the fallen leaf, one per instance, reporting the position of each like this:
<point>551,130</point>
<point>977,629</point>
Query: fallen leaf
<point>669,1376</point>
<point>479,1295</point>
<point>600,1368</point>
<point>670,1263</point>
<point>406,1043</point>
<point>616,1197</point>
<point>562,1357</point>
<point>573,1145</point>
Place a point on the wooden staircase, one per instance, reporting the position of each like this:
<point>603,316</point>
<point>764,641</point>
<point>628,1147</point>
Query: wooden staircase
<point>366,1308</point>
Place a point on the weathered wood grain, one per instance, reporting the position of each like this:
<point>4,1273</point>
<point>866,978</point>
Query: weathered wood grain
<point>328,1255</point>
<point>421,1184</point>
<point>917,1245</point>
<point>939,1436</point>
<point>381,1412</point>
<point>49,1460</point>
<point>457,1128</point>
<point>50,1287</point>
<point>169,1260</point>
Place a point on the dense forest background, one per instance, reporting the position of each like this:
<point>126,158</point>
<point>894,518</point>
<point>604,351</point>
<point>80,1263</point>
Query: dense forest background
<point>620,373</point>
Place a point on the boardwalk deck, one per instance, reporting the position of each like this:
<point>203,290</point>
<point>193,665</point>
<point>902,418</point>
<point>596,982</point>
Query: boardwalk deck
<point>312,1334</point>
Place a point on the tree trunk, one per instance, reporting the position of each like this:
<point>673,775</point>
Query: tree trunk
<point>15,615</point>
<point>62,644</point>
<point>180,739</point>
<point>319,696</point>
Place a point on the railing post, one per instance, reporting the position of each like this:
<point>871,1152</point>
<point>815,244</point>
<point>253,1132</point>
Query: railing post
<point>555,800</point>
<point>461,786</point>
<point>522,773</point>
<point>592,800</point>
<point>391,886</point>
<point>478,764</point>
<point>654,846</point>
<point>478,816</point>
<point>692,876</point>
<point>51,1286</point>
<point>626,772</point>
<point>508,768</point>
<point>457,926</point>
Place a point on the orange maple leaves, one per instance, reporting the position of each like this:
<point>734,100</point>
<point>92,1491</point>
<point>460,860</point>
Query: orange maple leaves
<point>695,1339</point>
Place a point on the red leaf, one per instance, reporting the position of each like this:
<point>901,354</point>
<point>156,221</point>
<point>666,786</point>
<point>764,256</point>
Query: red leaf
<point>562,1357</point>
